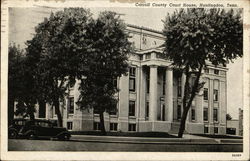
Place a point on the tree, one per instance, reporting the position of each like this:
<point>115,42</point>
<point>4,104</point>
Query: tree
<point>54,54</point>
<point>20,85</point>
<point>228,117</point>
<point>107,60</point>
<point>195,36</point>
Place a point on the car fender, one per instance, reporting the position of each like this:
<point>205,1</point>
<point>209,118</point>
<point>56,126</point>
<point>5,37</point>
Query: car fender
<point>29,131</point>
<point>13,129</point>
<point>63,133</point>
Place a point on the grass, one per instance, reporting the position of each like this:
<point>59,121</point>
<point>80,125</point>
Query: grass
<point>126,134</point>
<point>219,136</point>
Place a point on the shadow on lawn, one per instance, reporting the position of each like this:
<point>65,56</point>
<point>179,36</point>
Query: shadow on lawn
<point>126,134</point>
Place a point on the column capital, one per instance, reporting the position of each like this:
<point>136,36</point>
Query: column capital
<point>153,66</point>
<point>169,68</point>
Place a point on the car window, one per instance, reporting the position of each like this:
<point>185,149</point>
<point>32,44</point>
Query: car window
<point>44,124</point>
<point>20,122</point>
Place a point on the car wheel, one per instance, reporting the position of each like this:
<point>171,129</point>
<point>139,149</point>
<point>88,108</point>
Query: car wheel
<point>31,136</point>
<point>12,134</point>
<point>64,137</point>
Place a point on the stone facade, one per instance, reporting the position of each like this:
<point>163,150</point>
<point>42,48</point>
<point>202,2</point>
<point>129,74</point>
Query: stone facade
<point>150,97</point>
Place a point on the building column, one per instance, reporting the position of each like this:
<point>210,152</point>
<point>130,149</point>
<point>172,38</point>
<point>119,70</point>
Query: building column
<point>142,94</point>
<point>169,94</point>
<point>153,94</point>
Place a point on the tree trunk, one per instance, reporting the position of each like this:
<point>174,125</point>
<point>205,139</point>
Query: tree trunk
<point>186,107</point>
<point>102,126</point>
<point>32,116</point>
<point>57,111</point>
<point>183,122</point>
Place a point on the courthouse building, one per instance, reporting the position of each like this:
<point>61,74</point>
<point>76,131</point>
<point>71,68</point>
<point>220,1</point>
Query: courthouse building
<point>150,96</point>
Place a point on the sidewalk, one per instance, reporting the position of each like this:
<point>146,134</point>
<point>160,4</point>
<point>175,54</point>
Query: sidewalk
<point>187,139</point>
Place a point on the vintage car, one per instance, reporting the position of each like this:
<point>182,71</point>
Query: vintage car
<point>15,127</point>
<point>43,129</point>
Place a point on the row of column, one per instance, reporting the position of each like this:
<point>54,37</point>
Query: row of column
<point>153,94</point>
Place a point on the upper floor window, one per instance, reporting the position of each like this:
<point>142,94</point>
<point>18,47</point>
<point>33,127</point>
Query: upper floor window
<point>179,87</point>
<point>205,114</point>
<point>206,70</point>
<point>215,114</point>
<point>132,76</point>
<point>148,56</point>
<point>71,105</point>
<point>216,71</point>
<point>216,95</point>
<point>147,82</point>
<point>205,94</point>
<point>164,84</point>
<point>131,111</point>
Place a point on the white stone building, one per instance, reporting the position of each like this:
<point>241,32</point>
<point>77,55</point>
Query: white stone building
<point>151,95</point>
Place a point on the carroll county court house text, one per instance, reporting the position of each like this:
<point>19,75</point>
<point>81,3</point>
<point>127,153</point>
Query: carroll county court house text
<point>150,96</point>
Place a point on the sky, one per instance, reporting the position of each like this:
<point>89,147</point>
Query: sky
<point>22,22</point>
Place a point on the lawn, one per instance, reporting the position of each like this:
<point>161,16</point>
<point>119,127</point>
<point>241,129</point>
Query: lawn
<point>219,136</point>
<point>126,134</point>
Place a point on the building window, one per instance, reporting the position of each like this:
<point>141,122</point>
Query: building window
<point>71,105</point>
<point>132,75</point>
<point>131,127</point>
<point>115,82</point>
<point>179,87</point>
<point>178,112</point>
<point>148,56</point>
<point>216,95</point>
<point>164,84</point>
<point>215,114</point>
<point>147,109</point>
<point>205,129</point>
<point>113,126</point>
<point>97,126</point>
<point>216,130</point>
<point>163,113</point>
<point>131,111</point>
<point>147,82</point>
<point>205,94</point>
<point>231,131</point>
<point>205,114</point>
<point>206,70</point>
<point>69,125</point>
<point>114,110</point>
<point>193,114</point>
<point>42,109</point>
<point>216,71</point>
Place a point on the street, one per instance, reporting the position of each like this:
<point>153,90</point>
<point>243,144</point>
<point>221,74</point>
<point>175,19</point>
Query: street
<point>127,144</point>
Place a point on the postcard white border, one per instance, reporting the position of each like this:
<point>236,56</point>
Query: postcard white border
<point>5,155</point>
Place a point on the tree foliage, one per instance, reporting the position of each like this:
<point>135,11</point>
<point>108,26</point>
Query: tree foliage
<point>107,60</point>
<point>20,85</point>
<point>72,45</point>
<point>55,53</point>
<point>197,36</point>
<point>228,117</point>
